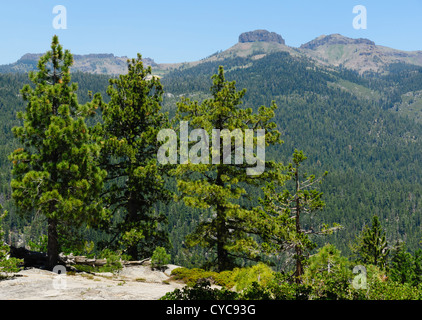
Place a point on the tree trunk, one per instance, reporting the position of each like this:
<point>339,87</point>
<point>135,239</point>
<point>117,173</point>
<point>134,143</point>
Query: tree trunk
<point>222,254</point>
<point>53,244</point>
<point>298,249</point>
<point>299,267</point>
<point>132,250</point>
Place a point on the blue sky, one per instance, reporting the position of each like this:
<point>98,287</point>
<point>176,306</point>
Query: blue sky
<point>187,30</point>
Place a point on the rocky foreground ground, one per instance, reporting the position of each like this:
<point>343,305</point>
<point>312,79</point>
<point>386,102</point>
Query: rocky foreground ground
<point>131,283</point>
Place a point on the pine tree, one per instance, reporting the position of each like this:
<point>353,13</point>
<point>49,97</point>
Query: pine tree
<point>405,267</point>
<point>55,172</point>
<point>418,266</point>
<point>285,203</point>
<point>135,181</point>
<point>220,186</point>
<point>371,246</point>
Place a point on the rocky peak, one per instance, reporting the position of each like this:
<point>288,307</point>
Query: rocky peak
<point>262,36</point>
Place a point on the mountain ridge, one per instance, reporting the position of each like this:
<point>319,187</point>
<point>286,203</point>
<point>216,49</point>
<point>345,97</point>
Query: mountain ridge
<point>360,54</point>
<point>95,63</point>
<point>335,38</point>
<point>334,50</point>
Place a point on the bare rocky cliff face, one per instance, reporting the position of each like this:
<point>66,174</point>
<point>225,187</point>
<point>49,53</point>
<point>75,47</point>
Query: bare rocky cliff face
<point>261,36</point>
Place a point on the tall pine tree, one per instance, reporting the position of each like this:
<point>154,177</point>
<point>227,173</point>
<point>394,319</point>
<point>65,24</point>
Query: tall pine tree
<point>286,203</point>
<point>211,182</point>
<point>56,172</point>
<point>403,267</point>
<point>371,246</point>
<point>135,181</point>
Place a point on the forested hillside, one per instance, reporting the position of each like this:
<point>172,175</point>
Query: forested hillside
<point>346,124</point>
<point>349,125</point>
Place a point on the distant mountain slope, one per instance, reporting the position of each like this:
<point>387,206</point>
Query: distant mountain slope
<point>344,122</point>
<point>357,54</point>
<point>90,63</point>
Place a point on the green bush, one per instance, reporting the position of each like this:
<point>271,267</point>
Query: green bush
<point>160,258</point>
<point>7,264</point>
<point>281,287</point>
<point>11,265</point>
<point>224,279</point>
<point>329,274</point>
<point>256,291</point>
<point>200,291</point>
<point>194,275</point>
<point>278,288</point>
<point>380,287</point>
<point>259,273</point>
<point>239,278</point>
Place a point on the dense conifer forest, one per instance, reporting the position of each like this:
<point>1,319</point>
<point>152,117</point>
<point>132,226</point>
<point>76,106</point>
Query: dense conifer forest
<point>349,133</point>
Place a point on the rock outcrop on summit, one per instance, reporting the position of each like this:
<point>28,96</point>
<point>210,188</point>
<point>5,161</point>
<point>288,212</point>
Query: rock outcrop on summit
<point>261,35</point>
